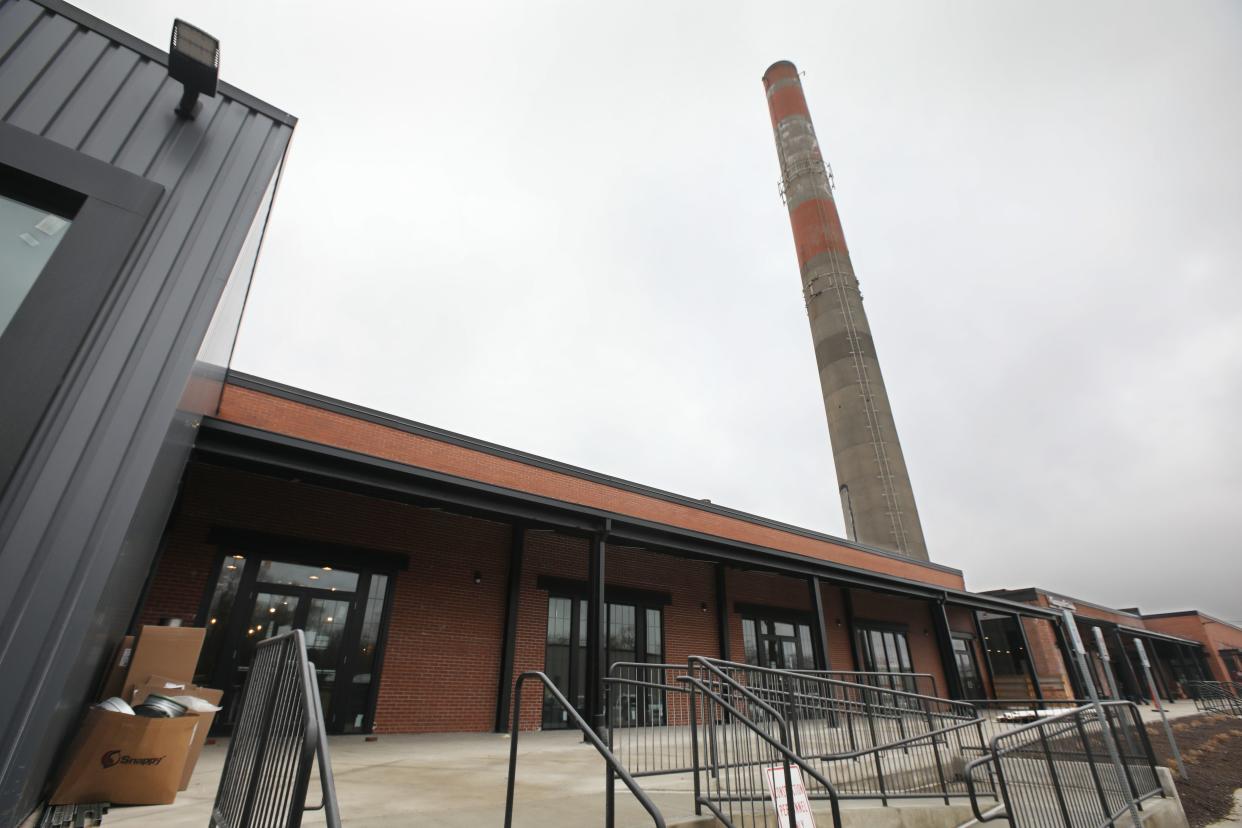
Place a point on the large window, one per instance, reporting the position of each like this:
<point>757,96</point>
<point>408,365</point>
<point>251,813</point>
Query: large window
<point>782,643</point>
<point>634,634</point>
<point>885,648</point>
<point>67,224</point>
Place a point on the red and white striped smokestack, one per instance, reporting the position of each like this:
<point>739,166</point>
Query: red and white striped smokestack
<point>876,495</point>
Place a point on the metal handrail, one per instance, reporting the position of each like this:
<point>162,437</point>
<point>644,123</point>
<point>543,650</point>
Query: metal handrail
<point>833,682</point>
<point>1072,720</point>
<point>878,674</point>
<point>614,766</point>
<point>788,756</point>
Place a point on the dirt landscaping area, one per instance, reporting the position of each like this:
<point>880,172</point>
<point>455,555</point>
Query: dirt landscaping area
<point>1212,750</point>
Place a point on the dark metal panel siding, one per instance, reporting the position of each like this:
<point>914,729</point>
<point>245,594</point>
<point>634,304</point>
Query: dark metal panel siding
<point>95,500</point>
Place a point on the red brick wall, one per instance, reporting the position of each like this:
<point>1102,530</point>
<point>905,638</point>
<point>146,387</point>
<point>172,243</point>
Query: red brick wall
<point>1212,634</point>
<point>271,413</point>
<point>444,626</point>
<point>1046,655</point>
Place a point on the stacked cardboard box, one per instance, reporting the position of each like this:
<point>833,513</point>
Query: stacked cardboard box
<point>135,760</point>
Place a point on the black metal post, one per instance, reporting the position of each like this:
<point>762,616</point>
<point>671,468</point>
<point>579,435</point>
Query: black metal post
<point>517,546</point>
<point>821,630</point>
<point>722,611</point>
<point>1070,664</point>
<point>983,645</point>
<point>1133,687</point>
<point>1030,658</point>
<point>944,639</point>
<point>847,603</point>
<point>597,632</point>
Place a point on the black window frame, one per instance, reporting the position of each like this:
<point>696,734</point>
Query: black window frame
<point>757,613</point>
<point>110,209</point>
<point>578,595</point>
<point>862,627</point>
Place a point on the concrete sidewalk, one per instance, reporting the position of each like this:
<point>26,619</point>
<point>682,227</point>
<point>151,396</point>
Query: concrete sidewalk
<point>458,779</point>
<point>449,779</point>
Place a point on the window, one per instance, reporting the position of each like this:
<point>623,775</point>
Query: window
<point>784,644</point>
<point>1004,645</point>
<point>885,648</point>
<point>634,633</point>
<point>967,668</point>
<point>67,224</point>
<point>28,237</point>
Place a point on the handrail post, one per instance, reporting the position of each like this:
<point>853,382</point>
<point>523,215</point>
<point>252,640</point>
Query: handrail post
<point>792,701</point>
<point>513,746</point>
<point>879,764</point>
<point>944,785</point>
<point>694,750</point>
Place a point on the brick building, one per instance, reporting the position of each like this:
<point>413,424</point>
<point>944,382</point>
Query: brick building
<point>1175,657</point>
<point>1222,641</point>
<point>429,569</point>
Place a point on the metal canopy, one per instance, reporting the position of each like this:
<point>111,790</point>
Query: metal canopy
<point>241,446</point>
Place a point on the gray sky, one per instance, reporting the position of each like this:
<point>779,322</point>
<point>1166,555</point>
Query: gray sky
<point>556,226</point>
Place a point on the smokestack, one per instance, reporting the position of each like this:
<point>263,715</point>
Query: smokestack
<point>876,496</point>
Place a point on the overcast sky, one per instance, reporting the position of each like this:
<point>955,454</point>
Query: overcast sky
<point>556,226</point>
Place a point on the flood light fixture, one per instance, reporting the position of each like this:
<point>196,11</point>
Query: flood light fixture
<point>194,60</point>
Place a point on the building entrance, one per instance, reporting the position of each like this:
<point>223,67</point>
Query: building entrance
<point>339,611</point>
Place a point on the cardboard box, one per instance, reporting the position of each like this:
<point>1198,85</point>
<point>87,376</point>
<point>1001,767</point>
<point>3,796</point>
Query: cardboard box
<point>126,760</point>
<point>164,651</point>
<point>168,687</point>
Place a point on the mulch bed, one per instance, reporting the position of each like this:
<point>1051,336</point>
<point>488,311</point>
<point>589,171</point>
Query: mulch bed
<point>1211,747</point>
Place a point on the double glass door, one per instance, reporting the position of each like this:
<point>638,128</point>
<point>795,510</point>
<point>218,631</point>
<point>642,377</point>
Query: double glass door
<point>338,610</point>
<point>634,634</point>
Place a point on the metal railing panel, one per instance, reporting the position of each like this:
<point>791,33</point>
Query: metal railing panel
<point>738,739</point>
<point>278,737</point>
<point>1056,771</point>
<point>1223,697</point>
<point>649,718</point>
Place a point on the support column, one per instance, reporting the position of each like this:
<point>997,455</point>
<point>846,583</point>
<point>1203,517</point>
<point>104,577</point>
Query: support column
<point>517,547</point>
<point>821,631</point>
<point>1030,658</point>
<point>944,639</point>
<point>847,603</point>
<point>722,612</point>
<point>597,632</point>
<point>1067,657</point>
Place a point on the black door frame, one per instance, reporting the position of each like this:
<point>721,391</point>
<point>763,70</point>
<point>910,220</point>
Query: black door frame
<point>969,639</point>
<point>260,546</point>
<point>639,599</point>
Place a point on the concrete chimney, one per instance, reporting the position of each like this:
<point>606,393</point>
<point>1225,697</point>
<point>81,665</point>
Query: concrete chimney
<point>876,496</point>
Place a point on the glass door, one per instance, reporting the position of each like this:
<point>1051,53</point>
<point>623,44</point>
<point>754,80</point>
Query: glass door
<point>339,611</point>
<point>967,667</point>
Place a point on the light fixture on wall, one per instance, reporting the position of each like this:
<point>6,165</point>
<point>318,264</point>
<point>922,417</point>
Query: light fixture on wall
<point>839,624</point>
<point>194,60</point>
<point>703,606</point>
<point>478,577</point>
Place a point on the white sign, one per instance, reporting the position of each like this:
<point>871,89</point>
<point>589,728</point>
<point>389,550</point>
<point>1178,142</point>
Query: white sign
<point>780,798</point>
<point>1061,603</point>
